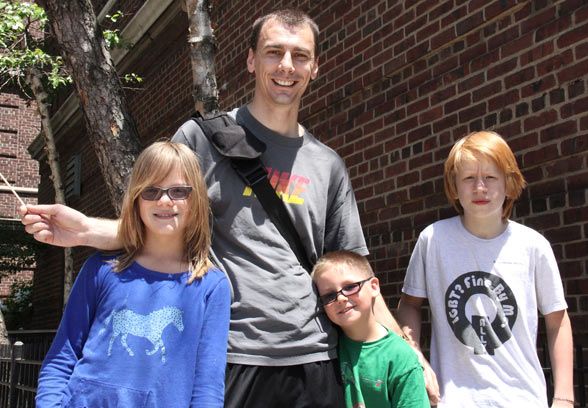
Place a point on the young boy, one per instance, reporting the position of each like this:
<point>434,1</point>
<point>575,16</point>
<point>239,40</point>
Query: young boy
<point>379,368</point>
<point>485,277</point>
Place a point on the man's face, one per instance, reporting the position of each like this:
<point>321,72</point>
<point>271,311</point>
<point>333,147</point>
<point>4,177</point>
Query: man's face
<point>284,63</point>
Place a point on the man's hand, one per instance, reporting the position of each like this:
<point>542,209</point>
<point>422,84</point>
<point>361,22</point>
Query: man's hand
<point>431,383</point>
<point>409,317</point>
<point>55,224</point>
<point>562,403</point>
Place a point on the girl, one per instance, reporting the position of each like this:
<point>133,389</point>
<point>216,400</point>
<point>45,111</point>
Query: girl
<point>149,327</point>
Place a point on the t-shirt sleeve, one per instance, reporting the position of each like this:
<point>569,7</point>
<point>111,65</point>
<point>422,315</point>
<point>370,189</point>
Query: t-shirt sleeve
<point>71,336</point>
<point>415,283</point>
<point>409,390</point>
<point>549,287</point>
<point>208,389</point>
<point>406,382</point>
<point>189,134</point>
<point>343,225</point>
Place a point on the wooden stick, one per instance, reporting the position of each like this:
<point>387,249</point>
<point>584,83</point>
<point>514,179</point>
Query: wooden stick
<point>12,189</point>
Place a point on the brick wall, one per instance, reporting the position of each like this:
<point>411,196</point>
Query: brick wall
<point>19,125</point>
<point>399,82</point>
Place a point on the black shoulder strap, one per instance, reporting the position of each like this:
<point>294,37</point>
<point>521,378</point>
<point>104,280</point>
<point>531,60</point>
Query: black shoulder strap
<point>244,149</point>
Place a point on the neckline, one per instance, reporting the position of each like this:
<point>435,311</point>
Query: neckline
<point>266,134</point>
<point>178,276</point>
<point>470,235</point>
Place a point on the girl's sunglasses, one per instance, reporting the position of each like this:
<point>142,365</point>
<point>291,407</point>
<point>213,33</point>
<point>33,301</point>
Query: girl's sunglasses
<point>174,193</point>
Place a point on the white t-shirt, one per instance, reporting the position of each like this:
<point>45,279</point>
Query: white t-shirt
<point>484,295</point>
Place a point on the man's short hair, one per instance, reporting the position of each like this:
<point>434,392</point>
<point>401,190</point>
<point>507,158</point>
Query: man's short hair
<point>288,17</point>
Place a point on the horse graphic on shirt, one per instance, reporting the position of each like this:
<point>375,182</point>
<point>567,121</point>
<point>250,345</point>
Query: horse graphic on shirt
<point>151,326</point>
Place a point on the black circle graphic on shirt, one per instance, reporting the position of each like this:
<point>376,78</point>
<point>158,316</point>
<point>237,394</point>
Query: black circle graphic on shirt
<point>483,335</point>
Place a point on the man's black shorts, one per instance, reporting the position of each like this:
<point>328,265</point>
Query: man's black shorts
<point>313,385</point>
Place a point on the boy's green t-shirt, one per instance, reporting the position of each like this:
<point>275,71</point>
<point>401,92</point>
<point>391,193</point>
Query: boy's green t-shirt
<point>383,373</point>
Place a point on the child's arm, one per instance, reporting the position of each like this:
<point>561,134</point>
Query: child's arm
<point>209,379</point>
<point>384,317</point>
<point>409,317</point>
<point>70,338</point>
<point>63,226</point>
<point>559,340</point>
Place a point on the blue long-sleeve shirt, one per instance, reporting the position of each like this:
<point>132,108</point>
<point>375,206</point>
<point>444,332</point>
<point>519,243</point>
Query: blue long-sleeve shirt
<point>138,338</point>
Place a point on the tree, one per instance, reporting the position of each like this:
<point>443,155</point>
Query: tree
<point>109,124</point>
<point>202,52</point>
<point>26,64</point>
<point>114,138</point>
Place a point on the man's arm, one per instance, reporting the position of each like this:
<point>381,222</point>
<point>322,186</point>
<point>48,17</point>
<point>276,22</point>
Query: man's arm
<point>559,341</point>
<point>63,226</point>
<point>384,317</point>
<point>409,318</point>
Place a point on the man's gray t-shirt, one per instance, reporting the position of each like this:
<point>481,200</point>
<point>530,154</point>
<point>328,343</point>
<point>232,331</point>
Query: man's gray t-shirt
<point>275,319</point>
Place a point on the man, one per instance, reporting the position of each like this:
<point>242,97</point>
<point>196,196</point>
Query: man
<point>282,350</point>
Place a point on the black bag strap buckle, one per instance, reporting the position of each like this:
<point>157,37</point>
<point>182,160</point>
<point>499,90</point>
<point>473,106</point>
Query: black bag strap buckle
<point>250,170</point>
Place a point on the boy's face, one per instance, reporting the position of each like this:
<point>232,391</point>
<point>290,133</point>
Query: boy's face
<point>283,63</point>
<point>481,190</point>
<point>347,311</point>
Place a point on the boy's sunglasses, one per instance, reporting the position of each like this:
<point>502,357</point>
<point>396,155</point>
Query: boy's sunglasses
<point>174,193</point>
<point>346,291</point>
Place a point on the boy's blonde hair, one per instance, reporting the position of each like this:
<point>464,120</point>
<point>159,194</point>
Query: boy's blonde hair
<point>151,167</point>
<point>347,259</point>
<point>489,145</point>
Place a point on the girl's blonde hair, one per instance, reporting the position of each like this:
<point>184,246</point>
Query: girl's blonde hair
<point>151,167</point>
<point>489,145</point>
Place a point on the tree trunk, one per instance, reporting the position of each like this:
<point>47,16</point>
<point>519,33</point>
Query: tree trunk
<point>3,332</point>
<point>202,52</point>
<point>34,82</point>
<point>109,124</point>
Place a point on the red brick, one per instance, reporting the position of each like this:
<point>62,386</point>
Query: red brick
<point>490,89</point>
<point>577,250</point>
<point>574,108</point>
<point>442,38</point>
<point>552,29</point>
<point>543,119</point>
<point>543,222</point>
<point>471,113</point>
<point>539,86</point>
<point>482,62</point>
<point>538,19</point>
<point>573,72</point>
<point>577,181</point>
<point>558,131</point>
<point>539,52</point>
<point>504,37</point>
<point>506,99</point>
<point>574,215</point>
<point>574,145</point>
<point>571,37</point>
<point>457,104</point>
